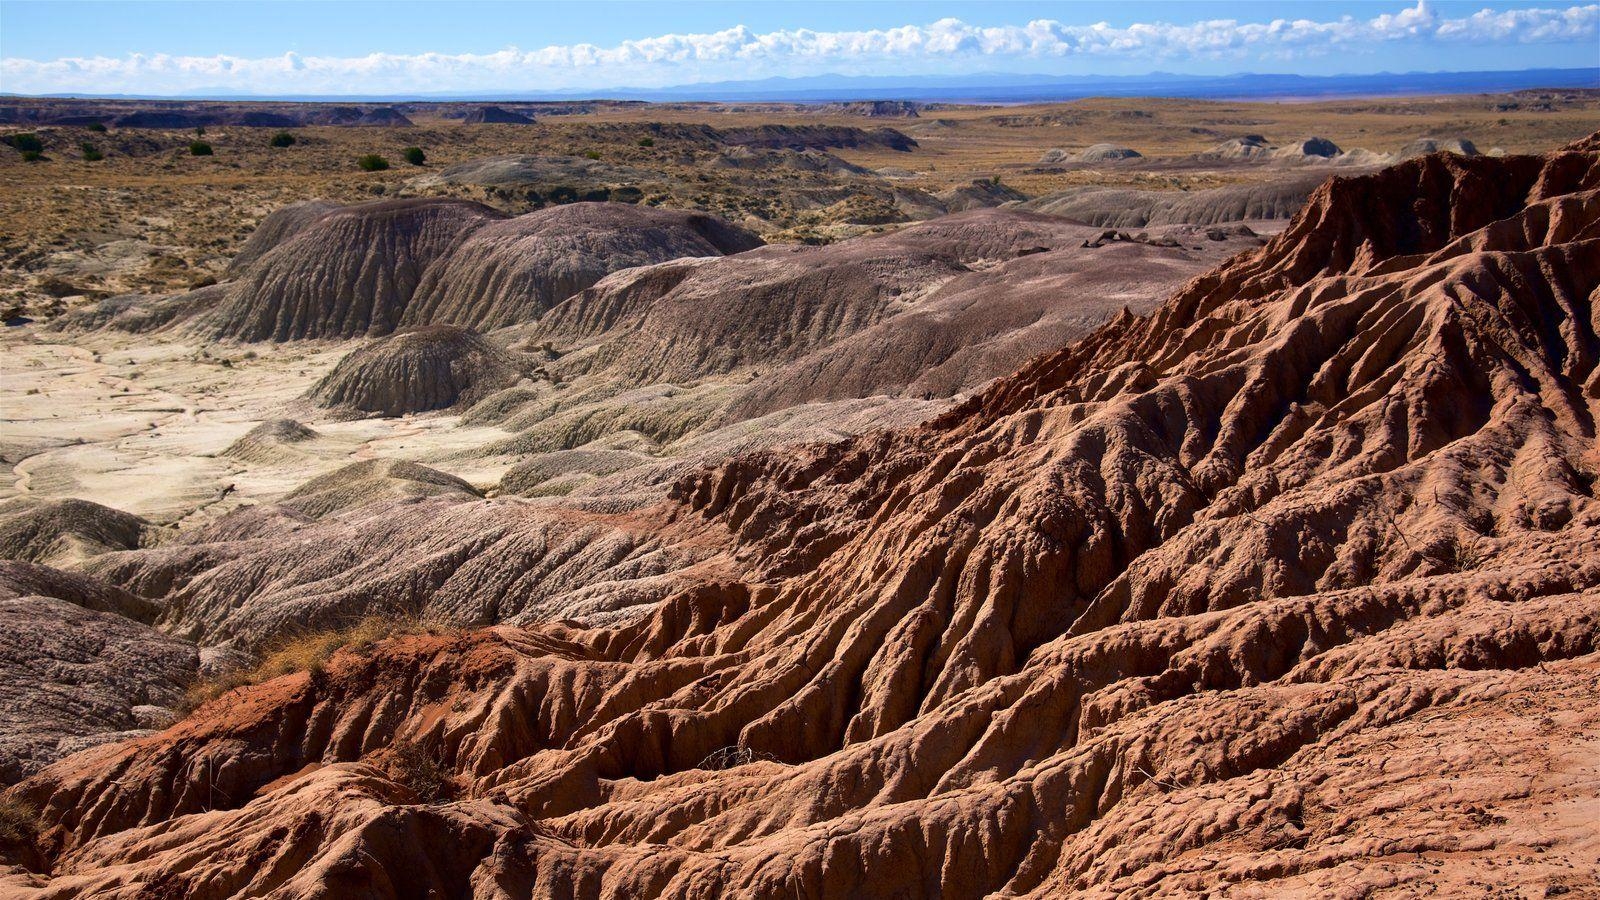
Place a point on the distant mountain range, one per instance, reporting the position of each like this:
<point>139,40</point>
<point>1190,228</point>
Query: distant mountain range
<point>1000,87</point>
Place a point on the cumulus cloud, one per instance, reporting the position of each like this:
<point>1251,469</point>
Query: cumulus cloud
<point>740,52</point>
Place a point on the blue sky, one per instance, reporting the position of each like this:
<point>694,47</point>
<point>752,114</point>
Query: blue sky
<point>362,47</point>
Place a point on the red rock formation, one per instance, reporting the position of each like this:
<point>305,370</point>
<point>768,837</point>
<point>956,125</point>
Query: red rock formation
<point>1289,589</point>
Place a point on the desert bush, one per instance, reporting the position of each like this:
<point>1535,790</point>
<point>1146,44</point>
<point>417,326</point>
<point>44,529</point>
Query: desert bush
<point>647,142</point>
<point>24,142</point>
<point>732,756</point>
<point>19,822</point>
<point>31,156</point>
<point>91,153</point>
<point>308,651</point>
<point>97,126</point>
<point>372,162</point>
<point>281,139</point>
<point>592,154</point>
<point>199,148</point>
<point>413,766</point>
<point>414,155</point>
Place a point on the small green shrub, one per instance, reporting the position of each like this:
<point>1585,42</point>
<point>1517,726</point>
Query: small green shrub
<point>25,142</point>
<point>281,139</point>
<point>97,127</point>
<point>199,148</point>
<point>592,154</point>
<point>647,142</point>
<point>31,156</point>
<point>414,155</point>
<point>199,131</point>
<point>91,153</point>
<point>372,162</point>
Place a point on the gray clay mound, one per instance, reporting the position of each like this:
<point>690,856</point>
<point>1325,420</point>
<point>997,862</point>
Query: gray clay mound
<point>1311,148</point>
<point>422,369</point>
<point>559,472</point>
<point>49,531</point>
<point>979,194</point>
<point>1127,208</point>
<point>279,226</point>
<point>142,313</point>
<point>520,170</point>
<point>496,115</point>
<point>751,159</point>
<point>771,306</point>
<point>371,481</point>
<point>72,677</point>
<point>1251,146</point>
<point>270,442</point>
<point>513,271</point>
<point>1424,146</point>
<point>25,579</point>
<point>1107,153</point>
<point>347,273</point>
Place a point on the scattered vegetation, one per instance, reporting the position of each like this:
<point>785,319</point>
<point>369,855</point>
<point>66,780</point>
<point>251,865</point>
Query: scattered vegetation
<point>281,139</point>
<point>32,156</point>
<point>91,153</point>
<point>24,142</point>
<point>372,162</point>
<point>199,148</point>
<point>647,142</point>
<point>99,127</point>
<point>419,770</point>
<point>19,822</point>
<point>414,155</point>
<point>731,756</point>
<point>309,651</point>
<point>591,154</point>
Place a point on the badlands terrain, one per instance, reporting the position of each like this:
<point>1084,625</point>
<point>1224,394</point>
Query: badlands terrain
<point>1115,498</point>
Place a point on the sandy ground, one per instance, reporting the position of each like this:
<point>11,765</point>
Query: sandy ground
<point>140,423</point>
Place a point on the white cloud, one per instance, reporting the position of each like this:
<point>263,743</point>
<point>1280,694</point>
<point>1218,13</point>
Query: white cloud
<point>740,53</point>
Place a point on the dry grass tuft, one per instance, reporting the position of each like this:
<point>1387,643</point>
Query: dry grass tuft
<point>309,651</point>
<point>419,770</point>
<point>19,822</point>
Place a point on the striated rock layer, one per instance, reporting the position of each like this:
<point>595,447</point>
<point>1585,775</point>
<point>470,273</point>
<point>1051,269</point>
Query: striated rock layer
<point>416,370</point>
<point>316,272</point>
<point>1288,589</point>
